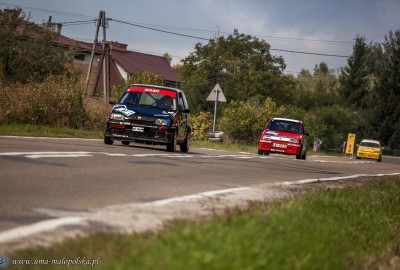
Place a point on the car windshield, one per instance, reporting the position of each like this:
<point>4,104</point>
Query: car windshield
<point>369,144</point>
<point>286,126</point>
<point>150,97</point>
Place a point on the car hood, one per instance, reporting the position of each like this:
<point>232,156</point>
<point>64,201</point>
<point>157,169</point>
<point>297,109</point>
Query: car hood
<point>281,134</point>
<point>133,112</point>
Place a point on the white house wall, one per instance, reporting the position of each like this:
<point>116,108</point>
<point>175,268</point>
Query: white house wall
<point>124,74</point>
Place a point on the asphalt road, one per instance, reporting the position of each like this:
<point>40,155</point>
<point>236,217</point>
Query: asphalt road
<point>40,175</point>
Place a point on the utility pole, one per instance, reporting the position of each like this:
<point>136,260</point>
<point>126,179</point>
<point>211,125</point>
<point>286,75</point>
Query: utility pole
<point>93,49</point>
<point>104,64</point>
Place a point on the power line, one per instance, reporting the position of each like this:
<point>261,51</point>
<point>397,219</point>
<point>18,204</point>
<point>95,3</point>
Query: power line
<point>320,54</point>
<point>158,30</point>
<point>46,10</point>
<point>192,36</point>
<point>150,26</point>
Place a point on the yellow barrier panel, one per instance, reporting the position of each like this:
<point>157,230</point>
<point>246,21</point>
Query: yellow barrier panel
<point>351,138</point>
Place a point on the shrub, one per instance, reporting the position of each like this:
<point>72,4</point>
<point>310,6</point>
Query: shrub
<point>243,121</point>
<point>201,125</point>
<point>55,102</point>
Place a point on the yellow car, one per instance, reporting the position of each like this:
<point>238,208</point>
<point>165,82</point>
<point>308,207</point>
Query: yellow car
<point>369,149</point>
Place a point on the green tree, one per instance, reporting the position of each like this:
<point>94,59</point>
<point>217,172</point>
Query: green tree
<point>358,76</point>
<point>27,52</point>
<point>331,124</point>
<point>317,89</point>
<point>243,66</point>
<point>385,109</point>
<point>243,121</point>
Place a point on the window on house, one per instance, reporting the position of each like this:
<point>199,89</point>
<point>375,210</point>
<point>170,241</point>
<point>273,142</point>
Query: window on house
<point>80,57</point>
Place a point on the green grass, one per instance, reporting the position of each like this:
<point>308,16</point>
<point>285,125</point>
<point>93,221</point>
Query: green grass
<point>44,131</point>
<point>352,228</point>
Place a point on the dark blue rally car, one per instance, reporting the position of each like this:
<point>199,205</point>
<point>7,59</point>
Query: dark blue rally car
<point>150,114</point>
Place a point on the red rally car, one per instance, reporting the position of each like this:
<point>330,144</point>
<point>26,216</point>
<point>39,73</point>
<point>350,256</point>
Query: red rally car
<point>284,136</point>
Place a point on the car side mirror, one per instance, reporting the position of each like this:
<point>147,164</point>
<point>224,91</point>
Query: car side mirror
<point>112,102</point>
<point>186,111</point>
<point>307,134</point>
<point>382,147</point>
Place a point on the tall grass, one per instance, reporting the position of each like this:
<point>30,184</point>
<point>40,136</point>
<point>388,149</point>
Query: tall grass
<point>56,102</point>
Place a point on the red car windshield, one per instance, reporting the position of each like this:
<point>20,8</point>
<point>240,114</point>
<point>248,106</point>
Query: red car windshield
<point>285,126</point>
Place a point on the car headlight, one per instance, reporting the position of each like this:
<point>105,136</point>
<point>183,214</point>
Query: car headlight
<point>293,140</point>
<point>117,116</point>
<point>267,137</point>
<point>162,122</point>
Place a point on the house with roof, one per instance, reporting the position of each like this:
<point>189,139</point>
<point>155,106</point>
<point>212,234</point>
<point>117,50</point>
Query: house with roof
<point>120,62</point>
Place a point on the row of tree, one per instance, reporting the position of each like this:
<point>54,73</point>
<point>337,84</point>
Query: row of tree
<point>363,97</point>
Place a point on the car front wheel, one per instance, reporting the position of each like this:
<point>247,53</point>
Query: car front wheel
<point>108,140</point>
<point>171,146</point>
<point>185,146</point>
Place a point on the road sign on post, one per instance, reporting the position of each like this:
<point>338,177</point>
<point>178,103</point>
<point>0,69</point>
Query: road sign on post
<point>216,95</point>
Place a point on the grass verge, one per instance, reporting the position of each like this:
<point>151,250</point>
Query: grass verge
<point>44,131</point>
<point>352,228</point>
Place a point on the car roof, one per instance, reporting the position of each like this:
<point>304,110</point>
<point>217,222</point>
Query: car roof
<point>371,141</point>
<point>286,119</point>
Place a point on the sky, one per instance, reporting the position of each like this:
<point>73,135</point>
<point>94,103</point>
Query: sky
<point>314,31</point>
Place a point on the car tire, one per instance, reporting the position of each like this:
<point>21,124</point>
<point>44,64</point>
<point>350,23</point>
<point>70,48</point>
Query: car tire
<point>108,140</point>
<point>263,152</point>
<point>186,144</point>
<point>300,155</point>
<point>379,159</point>
<point>171,146</point>
<point>357,157</point>
<point>125,142</point>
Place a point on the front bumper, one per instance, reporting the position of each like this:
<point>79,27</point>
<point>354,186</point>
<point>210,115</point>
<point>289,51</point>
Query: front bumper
<point>368,155</point>
<point>280,147</point>
<point>141,132</point>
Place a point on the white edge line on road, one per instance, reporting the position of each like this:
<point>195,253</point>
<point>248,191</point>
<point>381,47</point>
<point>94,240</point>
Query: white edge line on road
<point>305,181</point>
<point>38,227</point>
<point>196,196</point>
<point>51,138</point>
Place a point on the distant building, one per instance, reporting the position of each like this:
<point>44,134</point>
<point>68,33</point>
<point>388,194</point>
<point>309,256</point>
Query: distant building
<point>122,62</point>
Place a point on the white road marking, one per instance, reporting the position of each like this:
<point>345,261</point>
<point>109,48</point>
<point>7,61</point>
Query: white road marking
<point>313,180</point>
<point>54,154</point>
<point>44,153</point>
<point>195,196</point>
<point>58,155</point>
<point>38,227</point>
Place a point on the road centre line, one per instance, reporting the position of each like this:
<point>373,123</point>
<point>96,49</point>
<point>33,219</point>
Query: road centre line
<point>54,154</point>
